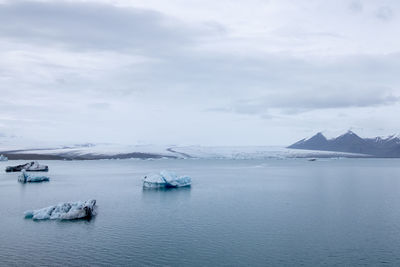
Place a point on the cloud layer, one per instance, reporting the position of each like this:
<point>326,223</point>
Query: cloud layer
<point>264,72</point>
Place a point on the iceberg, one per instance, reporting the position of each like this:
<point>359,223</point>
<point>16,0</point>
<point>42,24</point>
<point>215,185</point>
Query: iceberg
<point>29,178</point>
<point>33,166</point>
<point>3,158</point>
<point>64,211</point>
<point>166,179</point>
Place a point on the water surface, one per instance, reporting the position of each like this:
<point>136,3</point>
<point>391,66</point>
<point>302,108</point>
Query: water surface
<point>237,213</point>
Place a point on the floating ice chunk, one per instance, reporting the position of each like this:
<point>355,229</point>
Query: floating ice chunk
<point>3,158</point>
<point>30,178</point>
<point>166,179</point>
<point>64,211</point>
<point>173,180</point>
<point>33,166</point>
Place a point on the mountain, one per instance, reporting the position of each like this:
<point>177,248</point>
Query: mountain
<point>316,142</point>
<point>350,142</point>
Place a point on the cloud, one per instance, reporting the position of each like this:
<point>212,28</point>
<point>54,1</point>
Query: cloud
<point>296,86</point>
<point>384,13</point>
<point>100,105</point>
<point>116,72</point>
<point>89,25</point>
<point>356,6</point>
<point>323,98</point>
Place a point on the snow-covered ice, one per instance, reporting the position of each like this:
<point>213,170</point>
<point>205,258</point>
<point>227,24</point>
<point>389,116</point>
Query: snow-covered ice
<point>64,211</point>
<point>96,151</point>
<point>256,152</point>
<point>30,178</point>
<point>166,179</point>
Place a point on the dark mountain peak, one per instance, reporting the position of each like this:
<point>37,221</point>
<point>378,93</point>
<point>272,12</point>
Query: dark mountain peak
<point>318,136</point>
<point>349,135</point>
<point>316,140</point>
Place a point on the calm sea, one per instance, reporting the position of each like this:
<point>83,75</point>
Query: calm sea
<point>237,213</point>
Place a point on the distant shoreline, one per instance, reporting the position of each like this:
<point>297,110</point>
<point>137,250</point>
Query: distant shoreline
<point>31,156</point>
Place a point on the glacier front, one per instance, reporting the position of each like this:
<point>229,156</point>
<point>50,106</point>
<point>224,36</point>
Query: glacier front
<point>166,179</point>
<point>64,211</point>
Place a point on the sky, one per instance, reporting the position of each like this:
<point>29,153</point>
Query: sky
<point>244,72</point>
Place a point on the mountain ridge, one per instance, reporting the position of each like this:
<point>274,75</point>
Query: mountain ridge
<point>350,142</point>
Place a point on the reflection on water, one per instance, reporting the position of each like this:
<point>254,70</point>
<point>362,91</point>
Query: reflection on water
<point>166,194</point>
<point>86,220</point>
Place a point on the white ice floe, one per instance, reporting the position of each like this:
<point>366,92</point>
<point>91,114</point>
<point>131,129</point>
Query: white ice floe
<point>64,211</point>
<point>35,166</point>
<point>30,178</point>
<point>166,179</point>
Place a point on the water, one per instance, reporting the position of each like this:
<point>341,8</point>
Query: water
<point>237,213</point>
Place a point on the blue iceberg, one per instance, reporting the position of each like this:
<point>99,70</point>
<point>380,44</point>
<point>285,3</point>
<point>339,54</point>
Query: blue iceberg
<point>30,178</point>
<point>166,179</point>
<point>64,211</point>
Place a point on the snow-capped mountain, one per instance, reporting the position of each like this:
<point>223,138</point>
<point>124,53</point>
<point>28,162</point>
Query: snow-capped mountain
<point>352,143</point>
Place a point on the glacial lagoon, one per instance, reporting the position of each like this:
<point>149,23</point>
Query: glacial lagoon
<point>236,213</point>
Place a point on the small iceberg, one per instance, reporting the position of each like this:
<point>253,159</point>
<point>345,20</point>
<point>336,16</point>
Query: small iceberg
<point>3,158</point>
<point>30,178</point>
<point>166,179</point>
<point>33,166</point>
<point>64,211</point>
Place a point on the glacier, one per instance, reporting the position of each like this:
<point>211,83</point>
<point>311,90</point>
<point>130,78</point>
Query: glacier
<point>166,179</point>
<point>120,151</point>
<point>64,211</point>
<point>30,178</point>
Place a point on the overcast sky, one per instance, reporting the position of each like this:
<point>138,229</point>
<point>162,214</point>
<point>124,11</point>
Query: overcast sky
<point>244,72</point>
